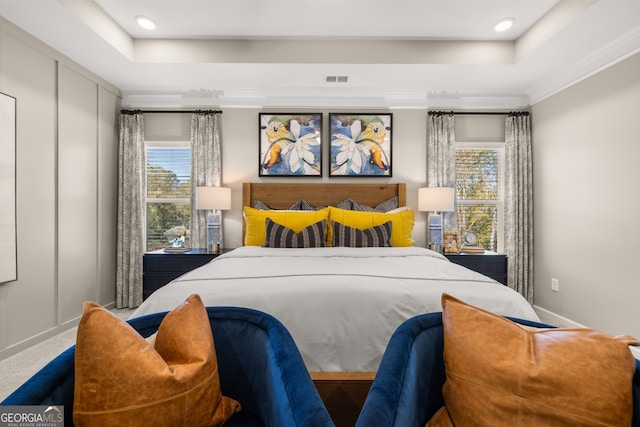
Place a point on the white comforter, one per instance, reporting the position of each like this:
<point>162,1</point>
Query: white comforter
<point>341,305</point>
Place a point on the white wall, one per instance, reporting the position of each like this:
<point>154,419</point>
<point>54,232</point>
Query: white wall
<point>586,147</point>
<point>240,158</point>
<point>66,154</point>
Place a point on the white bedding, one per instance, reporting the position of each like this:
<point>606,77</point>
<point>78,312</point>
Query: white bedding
<point>341,305</point>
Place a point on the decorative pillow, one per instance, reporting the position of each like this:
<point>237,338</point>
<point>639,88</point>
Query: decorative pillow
<point>402,223</point>
<point>299,205</point>
<point>259,204</point>
<point>279,236</point>
<point>121,379</point>
<point>255,222</point>
<point>502,374</point>
<point>346,204</point>
<point>352,205</point>
<point>302,205</point>
<point>385,206</point>
<point>374,237</point>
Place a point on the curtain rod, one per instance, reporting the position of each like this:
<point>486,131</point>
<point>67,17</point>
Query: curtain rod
<point>170,111</point>
<point>480,113</point>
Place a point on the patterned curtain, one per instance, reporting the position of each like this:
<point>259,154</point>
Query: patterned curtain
<point>441,157</point>
<point>519,204</point>
<point>132,185</point>
<point>206,168</point>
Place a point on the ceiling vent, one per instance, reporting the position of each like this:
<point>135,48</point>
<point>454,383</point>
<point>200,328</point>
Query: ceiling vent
<point>336,79</point>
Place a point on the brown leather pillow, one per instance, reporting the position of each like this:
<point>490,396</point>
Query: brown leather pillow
<point>501,374</point>
<point>122,380</point>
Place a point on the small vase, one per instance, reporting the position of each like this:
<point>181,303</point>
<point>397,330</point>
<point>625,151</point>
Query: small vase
<point>176,242</point>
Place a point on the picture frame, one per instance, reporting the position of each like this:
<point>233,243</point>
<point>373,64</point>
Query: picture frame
<point>452,244</point>
<point>360,144</point>
<point>290,144</point>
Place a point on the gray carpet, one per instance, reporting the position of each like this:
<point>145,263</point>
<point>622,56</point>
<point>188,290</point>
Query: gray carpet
<point>16,369</point>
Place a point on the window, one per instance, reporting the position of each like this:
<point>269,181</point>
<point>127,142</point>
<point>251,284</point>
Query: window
<point>480,192</point>
<point>168,189</point>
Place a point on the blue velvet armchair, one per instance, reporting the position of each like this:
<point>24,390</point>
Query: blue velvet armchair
<point>407,389</point>
<point>259,363</point>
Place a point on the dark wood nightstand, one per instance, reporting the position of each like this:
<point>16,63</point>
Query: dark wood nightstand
<point>160,267</point>
<point>490,264</point>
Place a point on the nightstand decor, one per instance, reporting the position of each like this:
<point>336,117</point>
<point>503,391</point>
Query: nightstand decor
<point>215,199</point>
<point>451,242</point>
<point>177,236</point>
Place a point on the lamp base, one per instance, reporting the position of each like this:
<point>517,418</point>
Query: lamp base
<point>214,228</point>
<point>435,235</point>
<point>436,247</point>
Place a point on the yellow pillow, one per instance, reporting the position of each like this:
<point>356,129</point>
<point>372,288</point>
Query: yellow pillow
<point>501,374</point>
<point>121,379</point>
<point>401,223</point>
<point>256,228</point>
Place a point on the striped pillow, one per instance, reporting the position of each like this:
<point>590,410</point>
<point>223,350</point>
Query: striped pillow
<point>279,236</point>
<point>374,237</point>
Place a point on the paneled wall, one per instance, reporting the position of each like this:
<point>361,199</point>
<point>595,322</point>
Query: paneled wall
<point>66,155</point>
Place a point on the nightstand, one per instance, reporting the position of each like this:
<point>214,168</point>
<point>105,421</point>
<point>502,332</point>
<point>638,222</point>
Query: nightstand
<point>160,267</point>
<point>490,264</point>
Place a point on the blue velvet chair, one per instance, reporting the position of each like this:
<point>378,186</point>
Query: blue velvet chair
<point>407,389</point>
<point>259,363</point>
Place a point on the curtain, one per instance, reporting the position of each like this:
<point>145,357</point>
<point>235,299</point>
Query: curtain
<point>206,168</point>
<point>441,157</point>
<point>519,204</point>
<point>131,233</point>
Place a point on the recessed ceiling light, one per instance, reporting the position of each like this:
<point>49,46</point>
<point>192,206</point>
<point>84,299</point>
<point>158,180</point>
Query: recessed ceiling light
<point>503,25</point>
<point>145,22</point>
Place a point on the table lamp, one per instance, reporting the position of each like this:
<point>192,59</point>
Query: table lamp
<point>435,200</point>
<point>213,199</point>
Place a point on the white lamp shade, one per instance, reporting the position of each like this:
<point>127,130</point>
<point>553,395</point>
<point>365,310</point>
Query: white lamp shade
<point>213,198</point>
<point>436,199</point>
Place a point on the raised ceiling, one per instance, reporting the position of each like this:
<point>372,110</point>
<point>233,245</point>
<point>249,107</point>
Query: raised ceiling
<point>278,53</point>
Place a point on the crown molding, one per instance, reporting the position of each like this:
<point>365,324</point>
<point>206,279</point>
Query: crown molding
<point>614,52</point>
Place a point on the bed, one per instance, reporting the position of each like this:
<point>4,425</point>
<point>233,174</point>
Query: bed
<point>341,304</point>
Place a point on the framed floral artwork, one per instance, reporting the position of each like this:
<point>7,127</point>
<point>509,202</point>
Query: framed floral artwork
<point>290,144</point>
<point>360,144</point>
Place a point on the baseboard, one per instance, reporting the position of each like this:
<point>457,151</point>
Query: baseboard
<point>554,319</point>
<point>34,340</point>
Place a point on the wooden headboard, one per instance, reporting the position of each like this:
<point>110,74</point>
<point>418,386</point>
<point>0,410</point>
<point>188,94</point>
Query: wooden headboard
<point>283,195</point>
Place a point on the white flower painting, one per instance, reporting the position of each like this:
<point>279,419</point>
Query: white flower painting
<point>360,144</point>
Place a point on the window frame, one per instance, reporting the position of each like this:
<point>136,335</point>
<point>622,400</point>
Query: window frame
<point>499,203</point>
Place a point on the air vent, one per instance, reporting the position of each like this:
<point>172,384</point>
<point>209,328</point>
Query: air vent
<point>336,79</point>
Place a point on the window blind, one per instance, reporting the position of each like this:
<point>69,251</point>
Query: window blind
<point>477,174</point>
<point>168,172</point>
